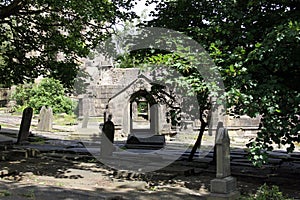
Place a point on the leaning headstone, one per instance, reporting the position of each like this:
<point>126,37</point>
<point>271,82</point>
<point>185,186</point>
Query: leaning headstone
<point>224,185</point>
<point>25,125</point>
<point>107,137</point>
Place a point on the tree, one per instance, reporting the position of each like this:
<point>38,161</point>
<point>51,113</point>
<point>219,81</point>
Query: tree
<point>255,46</point>
<point>49,92</point>
<point>47,37</point>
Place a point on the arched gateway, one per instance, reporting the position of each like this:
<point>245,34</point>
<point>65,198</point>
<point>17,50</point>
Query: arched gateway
<point>135,111</point>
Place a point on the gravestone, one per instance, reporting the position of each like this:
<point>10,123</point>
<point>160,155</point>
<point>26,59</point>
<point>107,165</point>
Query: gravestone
<point>107,137</point>
<point>45,119</point>
<point>25,125</point>
<point>41,120</point>
<point>220,125</point>
<point>49,119</point>
<point>151,142</point>
<point>224,185</point>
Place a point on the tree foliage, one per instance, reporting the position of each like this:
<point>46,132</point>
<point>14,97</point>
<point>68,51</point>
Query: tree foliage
<point>47,37</point>
<point>255,45</point>
<point>49,92</point>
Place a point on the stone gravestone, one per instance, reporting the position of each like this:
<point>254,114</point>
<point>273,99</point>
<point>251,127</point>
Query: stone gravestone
<point>220,125</point>
<point>107,137</point>
<point>45,119</point>
<point>224,185</point>
<point>49,119</point>
<point>25,125</point>
<point>41,120</point>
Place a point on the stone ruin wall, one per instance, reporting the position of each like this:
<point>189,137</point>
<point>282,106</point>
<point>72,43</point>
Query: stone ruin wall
<point>113,80</point>
<point>110,82</point>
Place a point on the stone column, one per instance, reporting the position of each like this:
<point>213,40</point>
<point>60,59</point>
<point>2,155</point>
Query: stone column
<point>154,119</point>
<point>134,110</point>
<point>224,185</point>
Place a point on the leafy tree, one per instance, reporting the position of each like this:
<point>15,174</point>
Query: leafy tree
<point>255,45</point>
<point>47,37</point>
<point>49,92</point>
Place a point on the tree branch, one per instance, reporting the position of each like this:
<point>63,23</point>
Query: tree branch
<point>12,8</point>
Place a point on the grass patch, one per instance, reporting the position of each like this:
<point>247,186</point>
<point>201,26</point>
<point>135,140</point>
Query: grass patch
<point>4,193</point>
<point>29,194</point>
<point>65,119</point>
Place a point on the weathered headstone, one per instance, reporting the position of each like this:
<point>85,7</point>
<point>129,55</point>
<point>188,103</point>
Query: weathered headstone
<point>224,185</point>
<point>49,119</point>
<point>41,120</point>
<point>220,125</point>
<point>107,137</point>
<point>25,125</point>
<point>45,119</point>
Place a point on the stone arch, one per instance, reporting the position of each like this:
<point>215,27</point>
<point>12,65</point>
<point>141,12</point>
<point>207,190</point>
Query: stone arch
<point>120,106</point>
<point>151,118</point>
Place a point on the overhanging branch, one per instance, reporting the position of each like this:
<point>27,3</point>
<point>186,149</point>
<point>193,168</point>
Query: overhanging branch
<point>11,9</point>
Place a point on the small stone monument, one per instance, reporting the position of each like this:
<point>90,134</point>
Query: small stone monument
<point>41,120</point>
<point>25,125</point>
<point>107,137</point>
<point>224,185</point>
<point>45,119</point>
<point>49,119</point>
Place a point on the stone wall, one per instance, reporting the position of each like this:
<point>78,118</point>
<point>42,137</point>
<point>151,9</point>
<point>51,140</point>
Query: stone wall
<point>110,82</point>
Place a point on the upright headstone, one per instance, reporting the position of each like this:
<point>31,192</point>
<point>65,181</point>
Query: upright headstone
<point>220,125</point>
<point>48,120</point>
<point>25,125</point>
<point>41,120</point>
<point>107,137</point>
<point>45,119</point>
<point>224,185</point>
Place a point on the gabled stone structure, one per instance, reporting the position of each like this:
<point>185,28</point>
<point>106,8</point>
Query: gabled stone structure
<point>121,107</point>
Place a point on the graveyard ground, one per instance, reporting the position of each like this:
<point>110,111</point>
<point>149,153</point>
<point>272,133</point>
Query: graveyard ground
<point>54,175</point>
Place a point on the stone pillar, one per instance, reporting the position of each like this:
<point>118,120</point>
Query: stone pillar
<point>224,185</point>
<point>25,125</point>
<point>134,110</point>
<point>154,119</point>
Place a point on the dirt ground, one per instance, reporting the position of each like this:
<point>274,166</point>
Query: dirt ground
<point>44,179</point>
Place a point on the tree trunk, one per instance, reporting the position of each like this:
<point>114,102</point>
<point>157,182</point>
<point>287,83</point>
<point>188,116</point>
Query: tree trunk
<point>199,139</point>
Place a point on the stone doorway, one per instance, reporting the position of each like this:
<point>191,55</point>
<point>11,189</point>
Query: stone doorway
<point>144,114</point>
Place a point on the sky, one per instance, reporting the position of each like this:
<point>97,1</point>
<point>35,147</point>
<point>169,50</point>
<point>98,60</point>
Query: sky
<point>141,8</point>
